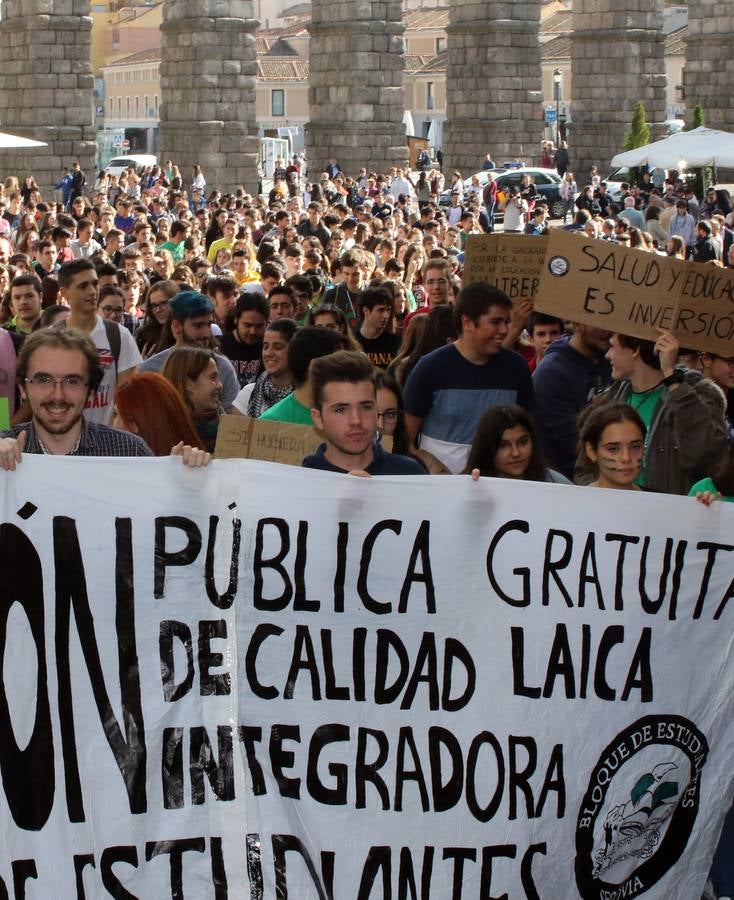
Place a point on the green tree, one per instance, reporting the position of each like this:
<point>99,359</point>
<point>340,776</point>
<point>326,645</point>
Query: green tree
<point>698,119</point>
<point>638,135</point>
<point>701,177</point>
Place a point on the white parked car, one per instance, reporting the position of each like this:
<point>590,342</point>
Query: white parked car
<point>138,161</point>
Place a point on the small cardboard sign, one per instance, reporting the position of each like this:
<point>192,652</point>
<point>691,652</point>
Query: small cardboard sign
<point>240,437</point>
<point>513,262</point>
<point>636,293</point>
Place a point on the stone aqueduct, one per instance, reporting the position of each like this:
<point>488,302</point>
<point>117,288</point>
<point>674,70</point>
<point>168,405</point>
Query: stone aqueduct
<point>208,73</point>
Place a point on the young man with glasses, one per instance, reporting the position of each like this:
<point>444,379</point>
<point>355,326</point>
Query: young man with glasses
<point>436,278</point>
<point>58,371</point>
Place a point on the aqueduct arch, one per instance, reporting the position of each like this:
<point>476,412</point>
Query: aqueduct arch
<point>208,75</point>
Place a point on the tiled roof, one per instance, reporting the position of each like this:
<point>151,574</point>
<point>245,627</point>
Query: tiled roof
<point>436,65</point>
<point>559,48</point>
<point>414,62</point>
<point>560,22</point>
<point>550,8</point>
<point>278,68</point>
<point>142,56</point>
<point>292,29</point>
<point>426,19</point>
<point>556,48</point>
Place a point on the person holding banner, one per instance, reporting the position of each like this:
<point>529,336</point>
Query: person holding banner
<point>506,446</point>
<point>194,373</point>
<point>58,370</point>
<point>345,411</point>
<point>718,487</point>
<point>613,443</point>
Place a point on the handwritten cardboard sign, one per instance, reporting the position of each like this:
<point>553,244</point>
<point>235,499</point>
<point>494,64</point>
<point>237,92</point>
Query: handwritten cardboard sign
<point>511,262</point>
<point>240,437</point>
<point>636,293</point>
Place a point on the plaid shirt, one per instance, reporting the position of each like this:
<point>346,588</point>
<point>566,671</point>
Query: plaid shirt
<point>94,440</point>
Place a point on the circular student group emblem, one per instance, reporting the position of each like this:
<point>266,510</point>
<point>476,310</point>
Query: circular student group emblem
<point>558,266</point>
<point>640,807</point>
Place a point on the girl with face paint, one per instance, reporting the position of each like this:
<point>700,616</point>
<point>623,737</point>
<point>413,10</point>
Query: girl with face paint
<point>613,439</point>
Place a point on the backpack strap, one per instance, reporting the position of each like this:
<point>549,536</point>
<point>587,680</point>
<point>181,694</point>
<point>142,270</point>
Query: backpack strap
<point>115,339</point>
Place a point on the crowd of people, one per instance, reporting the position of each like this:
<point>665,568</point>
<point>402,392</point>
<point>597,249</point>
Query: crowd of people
<point>231,298</point>
<point>139,310</point>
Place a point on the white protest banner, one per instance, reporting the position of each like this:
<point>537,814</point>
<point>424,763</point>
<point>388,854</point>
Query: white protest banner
<point>256,681</point>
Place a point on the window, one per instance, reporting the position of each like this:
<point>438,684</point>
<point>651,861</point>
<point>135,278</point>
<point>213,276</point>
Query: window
<point>129,106</point>
<point>277,102</point>
<point>119,107</point>
<point>430,97</point>
<point>146,107</point>
<point>440,44</point>
<point>155,105</point>
<point>137,107</point>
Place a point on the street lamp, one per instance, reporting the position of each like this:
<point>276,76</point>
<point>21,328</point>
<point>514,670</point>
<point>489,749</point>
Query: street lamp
<point>557,81</point>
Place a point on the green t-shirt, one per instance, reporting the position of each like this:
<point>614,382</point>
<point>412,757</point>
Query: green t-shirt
<point>176,250</point>
<point>707,484</point>
<point>645,404</point>
<point>289,410</point>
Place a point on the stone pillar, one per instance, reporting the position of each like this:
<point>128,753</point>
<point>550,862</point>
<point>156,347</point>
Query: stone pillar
<point>208,76</point>
<point>707,78</point>
<point>617,58</point>
<point>494,102</point>
<point>356,85</point>
<point>47,88</point>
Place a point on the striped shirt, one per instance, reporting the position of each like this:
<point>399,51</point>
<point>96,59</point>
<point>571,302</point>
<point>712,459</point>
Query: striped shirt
<point>94,440</point>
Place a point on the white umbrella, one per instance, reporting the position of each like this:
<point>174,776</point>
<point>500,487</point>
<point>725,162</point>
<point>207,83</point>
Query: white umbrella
<point>408,122</point>
<point>13,142</point>
<point>687,149</point>
<point>435,133</point>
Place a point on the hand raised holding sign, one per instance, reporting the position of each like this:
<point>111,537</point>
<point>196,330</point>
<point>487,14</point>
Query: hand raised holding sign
<point>11,451</point>
<point>521,309</point>
<point>667,348</point>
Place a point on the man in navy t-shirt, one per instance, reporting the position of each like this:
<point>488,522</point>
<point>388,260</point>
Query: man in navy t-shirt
<point>345,410</point>
<point>449,389</point>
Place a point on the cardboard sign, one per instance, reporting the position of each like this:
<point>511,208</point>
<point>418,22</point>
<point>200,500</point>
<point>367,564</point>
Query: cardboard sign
<point>254,681</point>
<point>513,262</point>
<point>240,437</point>
<point>636,293</point>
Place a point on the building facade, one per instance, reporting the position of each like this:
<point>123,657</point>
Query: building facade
<point>425,57</point>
